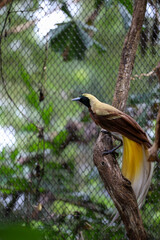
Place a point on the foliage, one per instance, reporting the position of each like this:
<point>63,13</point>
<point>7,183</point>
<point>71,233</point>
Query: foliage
<point>127,4</point>
<point>72,40</point>
<point>18,232</point>
<point>44,165</point>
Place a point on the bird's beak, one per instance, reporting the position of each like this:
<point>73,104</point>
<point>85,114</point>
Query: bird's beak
<point>76,99</point>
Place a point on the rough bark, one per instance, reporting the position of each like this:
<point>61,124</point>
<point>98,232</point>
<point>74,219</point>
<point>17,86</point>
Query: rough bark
<point>119,189</point>
<point>128,55</point>
<point>117,186</point>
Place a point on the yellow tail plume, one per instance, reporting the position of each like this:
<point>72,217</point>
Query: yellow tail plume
<point>136,168</point>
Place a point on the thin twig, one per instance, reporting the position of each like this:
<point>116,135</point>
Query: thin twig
<point>24,11</point>
<point>88,205</point>
<point>152,72</point>
<point>19,28</point>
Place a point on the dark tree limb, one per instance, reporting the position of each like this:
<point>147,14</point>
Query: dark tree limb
<point>156,145</point>
<point>128,55</point>
<point>90,20</point>
<point>117,186</point>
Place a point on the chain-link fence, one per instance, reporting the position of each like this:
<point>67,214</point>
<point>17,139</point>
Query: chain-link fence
<point>52,51</point>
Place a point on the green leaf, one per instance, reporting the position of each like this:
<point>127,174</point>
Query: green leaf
<point>2,154</point>
<point>37,146</point>
<point>53,165</point>
<point>60,207</point>
<point>99,47</point>
<point>6,191</point>
<point>59,140</point>
<point>65,9</point>
<point>33,99</point>
<point>14,154</point>
<point>18,184</point>
<point>98,3</point>
<point>30,127</point>
<point>128,4</point>
<point>6,171</point>
<point>47,113</point>
<point>26,77</point>
<point>70,40</point>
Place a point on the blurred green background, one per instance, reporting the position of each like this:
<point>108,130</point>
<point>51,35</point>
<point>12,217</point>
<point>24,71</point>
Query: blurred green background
<point>53,51</point>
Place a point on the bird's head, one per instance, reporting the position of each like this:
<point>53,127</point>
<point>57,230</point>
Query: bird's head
<point>85,98</point>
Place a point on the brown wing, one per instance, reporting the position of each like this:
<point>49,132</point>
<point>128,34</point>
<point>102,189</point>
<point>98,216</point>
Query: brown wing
<point>122,123</point>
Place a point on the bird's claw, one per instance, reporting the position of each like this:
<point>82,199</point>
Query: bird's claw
<point>105,132</point>
<point>112,151</point>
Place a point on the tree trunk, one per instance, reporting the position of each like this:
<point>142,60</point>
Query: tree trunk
<point>117,186</point>
<point>128,55</point>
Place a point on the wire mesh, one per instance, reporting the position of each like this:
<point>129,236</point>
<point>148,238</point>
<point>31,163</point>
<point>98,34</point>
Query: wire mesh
<point>52,51</point>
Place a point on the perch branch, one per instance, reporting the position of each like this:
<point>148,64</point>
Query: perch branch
<point>119,189</point>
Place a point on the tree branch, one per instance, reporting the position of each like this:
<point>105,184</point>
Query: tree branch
<point>156,145</point>
<point>19,28</point>
<point>117,186</point>
<point>90,20</point>
<point>128,55</point>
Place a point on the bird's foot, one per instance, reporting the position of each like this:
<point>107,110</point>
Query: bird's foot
<point>106,132</point>
<point>113,150</point>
